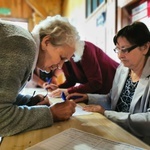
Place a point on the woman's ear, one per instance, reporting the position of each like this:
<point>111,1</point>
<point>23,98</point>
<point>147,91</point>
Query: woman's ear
<point>145,48</point>
<point>45,41</point>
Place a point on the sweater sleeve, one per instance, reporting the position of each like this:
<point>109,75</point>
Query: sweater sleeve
<point>99,99</point>
<point>137,123</point>
<point>92,72</point>
<point>16,60</point>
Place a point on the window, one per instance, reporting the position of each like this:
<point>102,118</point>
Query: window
<point>92,5</point>
<point>101,2</point>
<point>88,8</point>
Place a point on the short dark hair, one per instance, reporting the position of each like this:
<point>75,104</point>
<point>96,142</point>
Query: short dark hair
<point>136,33</point>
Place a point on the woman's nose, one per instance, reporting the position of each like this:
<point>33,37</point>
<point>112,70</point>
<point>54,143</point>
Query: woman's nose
<point>121,55</point>
<point>60,64</point>
<point>57,66</point>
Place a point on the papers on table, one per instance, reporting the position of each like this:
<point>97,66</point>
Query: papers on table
<point>80,111</point>
<point>74,139</point>
<point>29,91</point>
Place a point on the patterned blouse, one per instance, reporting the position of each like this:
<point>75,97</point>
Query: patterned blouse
<point>125,99</point>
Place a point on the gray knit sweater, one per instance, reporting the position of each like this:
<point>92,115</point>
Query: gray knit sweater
<point>17,54</point>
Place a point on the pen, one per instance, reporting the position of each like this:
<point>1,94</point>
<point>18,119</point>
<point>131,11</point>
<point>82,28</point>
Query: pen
<point>63,96</point>
<point>32,102</point>
<point>33,94</point>
<point>49,81</point>
<point>75,97</point>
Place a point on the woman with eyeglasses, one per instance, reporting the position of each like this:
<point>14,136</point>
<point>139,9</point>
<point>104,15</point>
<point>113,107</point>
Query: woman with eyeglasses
<point>128,103</point>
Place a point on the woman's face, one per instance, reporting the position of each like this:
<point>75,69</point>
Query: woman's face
<point>131,59</point>
<point>52,57</point>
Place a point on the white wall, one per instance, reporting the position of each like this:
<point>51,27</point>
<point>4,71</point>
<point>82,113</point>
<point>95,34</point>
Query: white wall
<point>93,28</point>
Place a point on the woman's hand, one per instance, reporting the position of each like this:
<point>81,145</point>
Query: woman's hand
<point>57,92</point>
<point>78,97</point>
<point>94,108</point>
<point>50,87</point>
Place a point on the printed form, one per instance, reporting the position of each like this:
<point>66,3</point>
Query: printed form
<point>78,109</point>
<point>74,139</point>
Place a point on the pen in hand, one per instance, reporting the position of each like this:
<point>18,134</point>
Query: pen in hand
<point>75,97</point>
<point>33,94</point>
<point>63,96</point>
<point>49,81</point>
<point>32,102</point>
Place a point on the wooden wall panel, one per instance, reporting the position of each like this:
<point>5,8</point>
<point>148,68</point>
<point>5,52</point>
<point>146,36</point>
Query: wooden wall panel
<point>19,8</point>
<point>31,10</point>
<point>45,8</point>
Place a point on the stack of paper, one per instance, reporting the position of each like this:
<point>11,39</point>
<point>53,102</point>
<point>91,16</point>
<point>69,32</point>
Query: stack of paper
<point>74,139</point>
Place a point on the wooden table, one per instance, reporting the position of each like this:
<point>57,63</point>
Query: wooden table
<point>94,123</point>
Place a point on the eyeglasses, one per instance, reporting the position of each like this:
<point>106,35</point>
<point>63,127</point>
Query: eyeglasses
<point>125,50</point>
<point>64,59</point>
<point>55,66</point>
<point>58,66</point>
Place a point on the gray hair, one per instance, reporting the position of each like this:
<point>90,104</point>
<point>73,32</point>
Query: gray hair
<point>60,30</point>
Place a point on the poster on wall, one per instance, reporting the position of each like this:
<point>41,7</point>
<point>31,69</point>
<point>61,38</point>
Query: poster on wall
<point>142,13</point>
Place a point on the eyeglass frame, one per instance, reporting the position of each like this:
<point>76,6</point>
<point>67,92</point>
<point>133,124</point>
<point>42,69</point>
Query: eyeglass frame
<point>125,50</point>
<point>57,66</point>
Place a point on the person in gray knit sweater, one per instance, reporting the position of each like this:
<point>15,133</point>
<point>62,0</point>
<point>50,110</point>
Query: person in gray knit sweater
<point>50,43</point>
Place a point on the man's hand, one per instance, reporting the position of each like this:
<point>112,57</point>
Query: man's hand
<point>39,100</point>
<point>63,111</point>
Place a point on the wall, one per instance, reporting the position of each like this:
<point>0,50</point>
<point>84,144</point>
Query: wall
<point>75,11</point>
<point>94,28</point>
<point>91,29</point>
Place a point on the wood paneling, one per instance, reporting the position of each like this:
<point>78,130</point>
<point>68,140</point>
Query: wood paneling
<point>45,8</point>
<point>19,8</point>
<point>32,10</point>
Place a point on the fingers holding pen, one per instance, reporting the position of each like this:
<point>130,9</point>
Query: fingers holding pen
<point>44,101</point>
<point>49,85</point>
<point>63,111</point>
<point>58,92</point>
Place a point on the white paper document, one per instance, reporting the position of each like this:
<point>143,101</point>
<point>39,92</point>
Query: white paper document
<point>78,109</point>
<point>74,139</point>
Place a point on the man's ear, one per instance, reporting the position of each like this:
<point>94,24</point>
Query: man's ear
<point>45,41</point>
